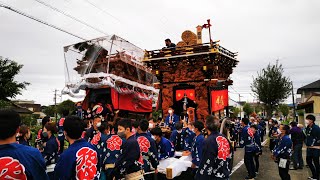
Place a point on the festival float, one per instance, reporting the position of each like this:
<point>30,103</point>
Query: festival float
<point>193,76</point>
<point>110,72</point>
<point>193,79</point>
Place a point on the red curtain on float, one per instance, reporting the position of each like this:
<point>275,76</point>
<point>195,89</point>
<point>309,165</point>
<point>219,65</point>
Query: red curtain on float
<point>219,99</point>
<point>189,92</point>
<point>85,102</point>
<point>129,102</point>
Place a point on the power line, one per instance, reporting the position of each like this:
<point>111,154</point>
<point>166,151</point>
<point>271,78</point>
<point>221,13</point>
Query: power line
<point>242,93</point>
<point>234,90</point>
<point>107,13</point>
<point>38,20</point>
<point>70,16</point>
<point>102,10</point>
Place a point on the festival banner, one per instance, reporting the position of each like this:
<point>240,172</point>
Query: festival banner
<point>219,99</point>
<point>130,102</point>
<point>181,92</point>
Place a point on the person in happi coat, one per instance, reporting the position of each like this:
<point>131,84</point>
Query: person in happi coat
<point>282,152</point>
<point>273,133</point>
<point>81,159</point>
<point>247,142</point>
<point>129,164</point>
<point>17,161</point>
<point>24,135</point>
<point>93,130</point>
<point>258,148</point>
<point>44,121</point>
<point>238,129</point>
<point>148,149</point>
<point>215,162</point>
<point>171,119</point>
<point>312,140</point>
<point>165,147</point>
<point>51,148</point>
<point>263,124</point>
<point>190,135</point>
<point>61,137</point>
<point>80,112</point>
<point>178,137</point>
<point>108,146</point>
<point>197,145</point>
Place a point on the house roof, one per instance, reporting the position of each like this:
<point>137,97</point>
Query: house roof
<point>304,105</point>
<point>18,109</point>
<point>312,86</point>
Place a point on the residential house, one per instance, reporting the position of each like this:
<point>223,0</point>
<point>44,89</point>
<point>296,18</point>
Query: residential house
<point>310,97</point>
<point>31,106</point>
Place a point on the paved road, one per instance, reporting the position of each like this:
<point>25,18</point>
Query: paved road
<point>268,169</point>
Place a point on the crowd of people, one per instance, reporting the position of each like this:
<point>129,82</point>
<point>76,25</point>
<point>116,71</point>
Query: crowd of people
<point>98,149</point>
<point>285,143</point>
<point>127,149</point>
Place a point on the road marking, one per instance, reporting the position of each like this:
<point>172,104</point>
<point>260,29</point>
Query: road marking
<point>235,168</point>
<point>264,142</point>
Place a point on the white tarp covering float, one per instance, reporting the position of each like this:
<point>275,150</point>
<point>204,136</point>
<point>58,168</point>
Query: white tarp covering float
<point>114,64</point>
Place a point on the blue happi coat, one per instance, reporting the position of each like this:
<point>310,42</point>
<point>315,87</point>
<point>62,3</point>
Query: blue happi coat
<point>247,140</point>
<point>21,162</point>
<point>174,118</point>
<point>196,150</point>
<point>284,148</point>
<point>79,161</point>
<point>22,141</point>
<point>108,147</point>
<point>216,158</point>
<point>312,138</point>
<point>165,149</point>
<point>148,150</point>
<point>50,151</point>
<point>257,140</point>
<point>178,139</point>
<point>130,159</point>
<point>189,139</point>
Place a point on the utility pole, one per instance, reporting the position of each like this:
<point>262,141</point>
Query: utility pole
<point>240,106</point>
<point>294,105</point>
<point>55,104</point>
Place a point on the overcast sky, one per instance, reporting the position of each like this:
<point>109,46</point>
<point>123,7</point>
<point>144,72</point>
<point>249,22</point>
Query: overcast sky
<point>260,30</point>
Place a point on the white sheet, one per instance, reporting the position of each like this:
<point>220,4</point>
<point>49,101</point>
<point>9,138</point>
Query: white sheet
<point>173,167</point>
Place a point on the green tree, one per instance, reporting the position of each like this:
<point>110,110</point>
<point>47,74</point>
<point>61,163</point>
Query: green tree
<point>235,111</point>
<point>4,104</point>
<point>29,120</point>
<point>9,88</point>
<point>247,109</point>
<point>300,112</point>
<point>271,86</point>
<point>49,111</point>
<point>156,115</point>
<point>67,104</point>
<point>284,109</point>
<point>258,108</point>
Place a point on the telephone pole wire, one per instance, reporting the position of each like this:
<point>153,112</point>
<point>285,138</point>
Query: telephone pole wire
<point>55,104</point>
<point>38,20</point>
